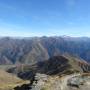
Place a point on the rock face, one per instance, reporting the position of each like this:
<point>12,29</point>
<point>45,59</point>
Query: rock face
<point>40,80</point>
<point>78,82</point>
<point>69,82</point>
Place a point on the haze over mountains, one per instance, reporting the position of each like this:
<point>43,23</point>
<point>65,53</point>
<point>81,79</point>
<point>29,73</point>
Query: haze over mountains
<point>32,50</point>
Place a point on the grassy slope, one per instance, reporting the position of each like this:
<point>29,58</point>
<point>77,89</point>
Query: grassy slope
<point>8,81</point>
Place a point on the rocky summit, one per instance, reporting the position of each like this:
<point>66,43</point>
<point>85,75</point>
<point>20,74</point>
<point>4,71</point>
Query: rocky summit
<point>68,82</point>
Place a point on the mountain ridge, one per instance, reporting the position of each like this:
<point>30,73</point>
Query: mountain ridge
<point>34,49</point>
<point>54,66</point>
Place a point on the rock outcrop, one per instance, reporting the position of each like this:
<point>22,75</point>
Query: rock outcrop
<point>68,82</point>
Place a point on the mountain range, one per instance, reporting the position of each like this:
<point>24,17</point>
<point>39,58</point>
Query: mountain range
<point>35,49</point>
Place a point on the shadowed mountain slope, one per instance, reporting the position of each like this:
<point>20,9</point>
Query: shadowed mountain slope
<point>56,65</point>
<point>63,64</point>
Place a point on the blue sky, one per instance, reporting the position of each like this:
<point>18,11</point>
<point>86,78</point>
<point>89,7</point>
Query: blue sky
<point>26,18</point>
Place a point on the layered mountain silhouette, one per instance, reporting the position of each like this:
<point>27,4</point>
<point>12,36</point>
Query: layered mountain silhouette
<point>36,49</point>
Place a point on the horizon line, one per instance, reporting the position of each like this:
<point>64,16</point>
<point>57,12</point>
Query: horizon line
<point>65,36</point>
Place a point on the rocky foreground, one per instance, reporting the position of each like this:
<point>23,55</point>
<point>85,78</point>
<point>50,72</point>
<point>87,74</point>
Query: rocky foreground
<point>69,82</point>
